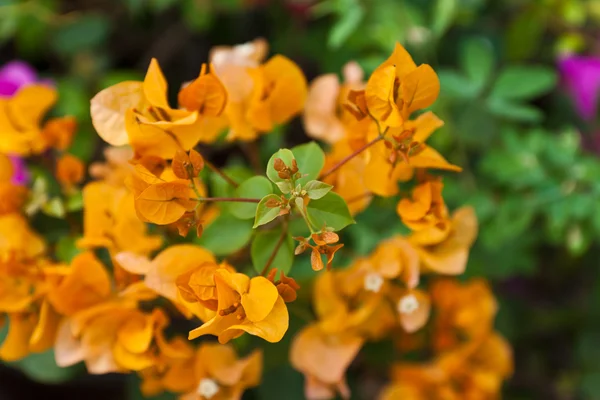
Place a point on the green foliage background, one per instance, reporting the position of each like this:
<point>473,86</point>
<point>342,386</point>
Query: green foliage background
<point>535,188</point>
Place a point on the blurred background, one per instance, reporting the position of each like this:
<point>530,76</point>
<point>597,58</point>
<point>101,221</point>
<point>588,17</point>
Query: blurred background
<point>520,80</point>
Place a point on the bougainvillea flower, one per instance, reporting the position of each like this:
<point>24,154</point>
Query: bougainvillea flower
<point>581,77</point>
<point>158,200</point>
<point>14,75</point>
<point>69,171</point>
<point>395,158</point>
<point>110,220</point>
<point>350,181</point>
<point>398,87</point>
<point>220,375</point>
<point>426,213</point>
<point>478,368</point>
<point>413,307</point>
<point>17,240</point>
<point>113,336</point>
<point>324,117</point>
<point>464,310</point>
<point>20,175</point>
<point>20,119</point>
<point>138,113</point>
<point>167,272</point>
<point>259,96</point>
<point>173,369</point>
<point>58,132</point>
<point>393,258</point>
<point>116,169</point>
<point>323,358</point>
<point>84,284</point>
<point>13,175</point>
<point>450,256</point>
<point>245,305</point>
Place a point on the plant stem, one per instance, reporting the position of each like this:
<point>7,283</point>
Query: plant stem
<point>216,170</point>
<point>229,199</point>
<point>284,232</point>
<point>350,157</point>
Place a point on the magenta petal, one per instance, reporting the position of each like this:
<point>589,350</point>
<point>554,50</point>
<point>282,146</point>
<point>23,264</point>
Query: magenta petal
<point>20,173</point>
<point>18,72</point>
<point>7,88</point>
<point>581,76</point>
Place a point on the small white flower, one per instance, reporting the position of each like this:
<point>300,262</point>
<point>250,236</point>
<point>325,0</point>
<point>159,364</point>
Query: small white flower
<point>373,282</point>
<point>408,304</point>
<point>208,388</point>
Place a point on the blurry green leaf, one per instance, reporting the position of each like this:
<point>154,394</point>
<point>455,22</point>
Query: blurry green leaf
<point>161,5</point>
<point>31,33</point>
<point>525,33</point>
<point>256,187</point>
<point>114,76</point>
<point>73,99</point>
<point>283,379</point>
<point>226,235</point>
<point>84,143</point>
<point>310,159</point>
<point>263,246</point>
<point>524,83</point>
<point>514,111</point>
<point>82,34</point>
<point>196,14</point>
<point>453,84</point>
<point>66,249</point>
<point>444,12</point>
<point>265,213</point>
<point>54,208</point>
<point>41,367</point>
<point>9,19</point>
<point>347,24</point>
<point>219,187</point>
<point>330,211</point>
<point>477,61</point>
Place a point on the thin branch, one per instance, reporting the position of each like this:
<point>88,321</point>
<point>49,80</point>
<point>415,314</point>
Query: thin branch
<point>284,232</point>
<point>216,170</point>
<point>250,149</point>
<point>229,199</point>
<point>350,157</point>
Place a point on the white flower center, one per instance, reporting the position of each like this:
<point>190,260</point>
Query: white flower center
<point>208,388</point>
<point>408,304</point>
<point>373,282</point>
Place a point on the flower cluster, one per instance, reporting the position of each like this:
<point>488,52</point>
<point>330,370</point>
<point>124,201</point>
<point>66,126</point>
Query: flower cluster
<point>136,270</point>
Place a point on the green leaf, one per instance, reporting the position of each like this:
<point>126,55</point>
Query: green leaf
<point>526,31</point>
<point>41,367</point>
<point>226,235</point>
<point>254,188</point>
<point>477,61</point>
<point>310,159</point>
<point>317,189</point>
<point>81,34</point>
<point>456,85</point>
<point>443,14</point>
<point>514,111</point>
<point>219,187</point>
<point>346,25</point>
<point>263,246</point>
<point>287,156</point>
<point>266,214</point>
<point>524,83</point>
<point>66,249</point>
<point>331,210</point>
